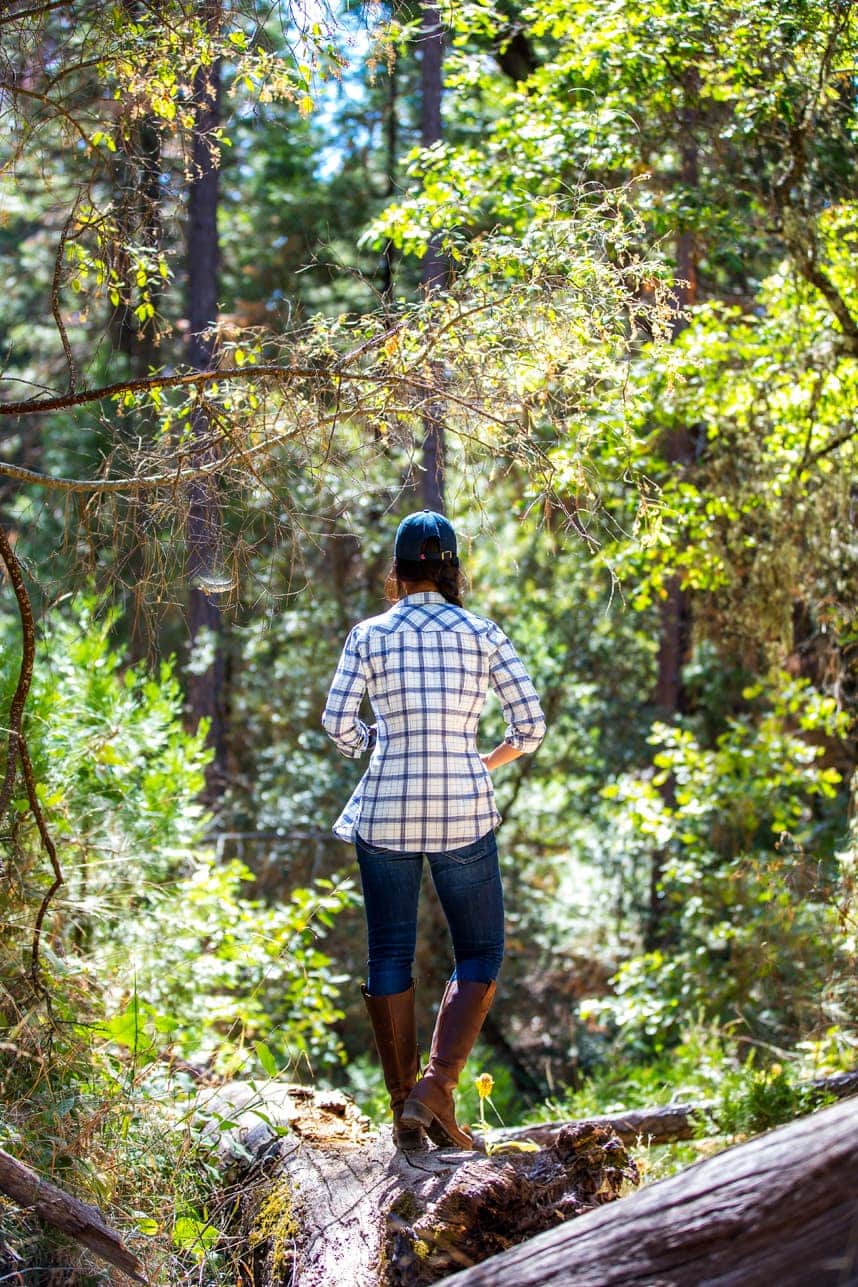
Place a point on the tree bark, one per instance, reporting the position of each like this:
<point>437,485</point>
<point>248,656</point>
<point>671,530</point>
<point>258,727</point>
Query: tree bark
<point>674,1121</point>
<point>206,686</point>
<point>391,147</point>
<point>72,1217</point>
<point>779,1209</point>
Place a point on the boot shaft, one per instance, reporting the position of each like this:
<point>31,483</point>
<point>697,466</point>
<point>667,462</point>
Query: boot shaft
<point>395,1031</point>
<point>463,1009</point>
<point>430,1105</point>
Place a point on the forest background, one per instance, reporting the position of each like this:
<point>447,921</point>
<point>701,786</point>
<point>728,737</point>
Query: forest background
<point>583,274</point>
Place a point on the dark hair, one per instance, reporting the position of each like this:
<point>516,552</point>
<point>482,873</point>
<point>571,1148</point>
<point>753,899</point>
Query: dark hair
<point>444,574</point>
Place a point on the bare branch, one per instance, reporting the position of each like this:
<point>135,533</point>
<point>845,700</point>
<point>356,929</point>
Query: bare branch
<point>55,298</point>
<point>35,12</point>
<point>830,447</point>
<point>47,102</point>
<point>801,243</point>
<point>25,673</point>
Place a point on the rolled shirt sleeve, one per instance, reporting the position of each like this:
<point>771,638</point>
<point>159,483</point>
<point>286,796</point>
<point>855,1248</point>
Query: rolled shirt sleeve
<point>340,717</point>
<point>518,697</point>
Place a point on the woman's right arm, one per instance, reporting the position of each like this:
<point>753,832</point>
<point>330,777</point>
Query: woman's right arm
<point>340,716</point>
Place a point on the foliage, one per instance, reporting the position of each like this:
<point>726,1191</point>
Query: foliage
<point>752,934</point>
<point>747,1091</point>
<point>211,975</point>
<point>156,955</point>
<point>760,1099</point>
<point>763,524</point>
<point>623,451</point>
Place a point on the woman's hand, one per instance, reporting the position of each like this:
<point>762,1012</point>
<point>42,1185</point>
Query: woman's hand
<point>503,754</point>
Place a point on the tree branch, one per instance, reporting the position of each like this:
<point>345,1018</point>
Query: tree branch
<point>34,12</point>
<point>73,1217</point>
<point>63,402</point>
<point>25,673</point>
<point>176,477</point>
<point>55,299</point>
<point>800,239</point>
<point>831,446</point>
<point>55,107</point>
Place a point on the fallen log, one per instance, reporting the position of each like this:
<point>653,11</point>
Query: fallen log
<point>647,1125</point>
<point>781,1209</point>
<point>77,1219</point>
<point>324,1201</point>
<point>673,1122</point>
<point>331,1204</point>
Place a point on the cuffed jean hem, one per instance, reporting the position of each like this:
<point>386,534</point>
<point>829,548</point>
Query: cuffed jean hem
<point>387,982</point>
<point>475,970</point>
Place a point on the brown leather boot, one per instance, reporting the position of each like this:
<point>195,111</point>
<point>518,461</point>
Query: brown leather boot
<point>463,1008</point>
<point>395,1031</point>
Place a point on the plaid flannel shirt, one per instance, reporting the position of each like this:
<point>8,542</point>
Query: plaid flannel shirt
<point>426,665</point>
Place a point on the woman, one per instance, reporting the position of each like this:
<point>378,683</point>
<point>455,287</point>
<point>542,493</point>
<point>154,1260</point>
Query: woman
<point>426,665</point>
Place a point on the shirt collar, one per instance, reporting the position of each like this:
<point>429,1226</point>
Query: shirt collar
<point>424,596</point>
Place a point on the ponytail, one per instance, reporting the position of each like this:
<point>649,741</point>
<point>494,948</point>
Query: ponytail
<point>449,581</point>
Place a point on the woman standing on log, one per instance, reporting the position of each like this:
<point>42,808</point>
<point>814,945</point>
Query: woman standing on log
<point>426,664</point>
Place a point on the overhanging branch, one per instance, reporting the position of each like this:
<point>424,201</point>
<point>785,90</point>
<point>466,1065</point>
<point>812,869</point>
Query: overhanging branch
<point>191,379</point>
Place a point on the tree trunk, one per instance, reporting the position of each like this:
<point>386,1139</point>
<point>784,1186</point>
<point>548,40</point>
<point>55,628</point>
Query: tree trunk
<point>435,267</point>
<point>675,629</point>
<point>780,1209</point>
<point>206,683</point>
<point>391,147</point>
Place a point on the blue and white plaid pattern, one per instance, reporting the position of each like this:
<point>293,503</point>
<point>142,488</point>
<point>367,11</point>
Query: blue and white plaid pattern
<point>426,666</point>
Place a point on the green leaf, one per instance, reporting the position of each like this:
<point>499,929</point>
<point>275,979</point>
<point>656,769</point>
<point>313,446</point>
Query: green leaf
<point>266,1058</point>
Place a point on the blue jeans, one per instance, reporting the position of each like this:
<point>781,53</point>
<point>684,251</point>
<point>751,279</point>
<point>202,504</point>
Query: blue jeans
<point>468,884</point>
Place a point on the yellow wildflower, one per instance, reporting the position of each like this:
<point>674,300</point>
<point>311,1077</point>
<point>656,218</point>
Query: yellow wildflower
<point>485,1084</point>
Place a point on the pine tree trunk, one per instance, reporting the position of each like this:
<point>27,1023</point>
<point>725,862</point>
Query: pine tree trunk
<point>435,266</point>
<point>675,626</point>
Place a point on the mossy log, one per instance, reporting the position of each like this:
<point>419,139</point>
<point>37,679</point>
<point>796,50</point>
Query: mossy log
<point>332,1204</point>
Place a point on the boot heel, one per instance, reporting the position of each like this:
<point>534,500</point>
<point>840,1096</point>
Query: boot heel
<point>416,1114</point>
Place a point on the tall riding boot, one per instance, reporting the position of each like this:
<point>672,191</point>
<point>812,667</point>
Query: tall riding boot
<point>395,1031</point>
<point>464,1006</point>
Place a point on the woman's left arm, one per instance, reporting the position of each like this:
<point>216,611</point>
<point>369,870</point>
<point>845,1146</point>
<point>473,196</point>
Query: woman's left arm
<point>340,716</point>
<point>520,701</point>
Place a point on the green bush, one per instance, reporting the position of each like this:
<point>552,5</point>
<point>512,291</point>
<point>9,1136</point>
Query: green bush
<point>153,954</point>
<point>752,929</point>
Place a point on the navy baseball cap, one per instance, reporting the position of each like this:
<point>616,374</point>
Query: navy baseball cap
<point>415,530</point>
